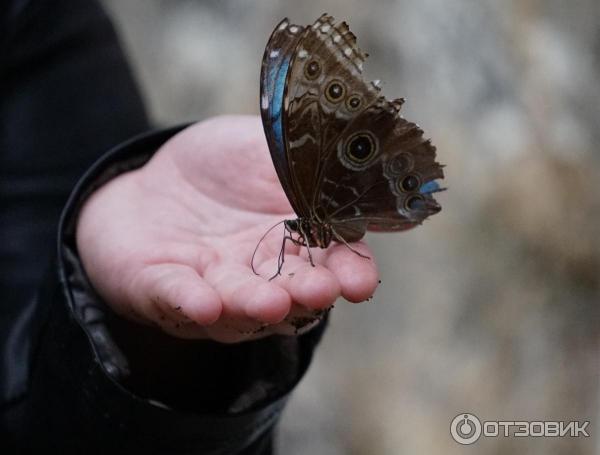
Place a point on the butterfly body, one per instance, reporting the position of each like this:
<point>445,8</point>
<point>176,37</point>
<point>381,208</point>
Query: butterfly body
<point>347,161</point>
<point>311,232</point>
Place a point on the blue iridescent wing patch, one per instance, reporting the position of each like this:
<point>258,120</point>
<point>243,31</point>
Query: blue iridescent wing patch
<point>273,79</point>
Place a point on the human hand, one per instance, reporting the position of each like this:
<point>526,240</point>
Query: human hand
<point>170,244</point>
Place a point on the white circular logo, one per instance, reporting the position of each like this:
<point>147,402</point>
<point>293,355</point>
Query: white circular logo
<point>465,428</point>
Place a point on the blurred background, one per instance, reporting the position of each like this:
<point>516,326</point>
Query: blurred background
<point>492,306</point>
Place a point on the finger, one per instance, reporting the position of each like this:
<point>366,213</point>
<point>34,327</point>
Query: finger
<point>235,331</point>
<point>174,289</point>
<point>300,320</point>
<point>313,287</point>
<point>186,330</point>
<point>225,330</point>
<point>358,276</point>
<point>245,295</point>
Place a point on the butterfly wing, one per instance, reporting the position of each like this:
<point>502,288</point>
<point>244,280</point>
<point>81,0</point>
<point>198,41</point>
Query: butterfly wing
<point>380,175</point>
<point>324,60</point>
<point>273,78</point>
<point>354,161</point>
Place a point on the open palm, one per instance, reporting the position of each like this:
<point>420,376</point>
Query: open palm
<point>170,243</point>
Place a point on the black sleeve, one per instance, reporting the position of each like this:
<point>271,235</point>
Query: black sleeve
<point>66,97</point>
<point>104,383</point>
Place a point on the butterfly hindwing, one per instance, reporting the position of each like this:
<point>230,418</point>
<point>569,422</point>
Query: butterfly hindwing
<point>380,174</point>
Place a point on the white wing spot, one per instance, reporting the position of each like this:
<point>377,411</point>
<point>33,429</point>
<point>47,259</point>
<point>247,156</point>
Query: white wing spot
<point>341,115</point>
<point>348,52</point>
<point>302,53</point>
<point>327,200</point>
<point>301,140</point>
<point>274,53</point>
<point>325,28</point>
<point>264,102</point>
<point>293,29</point>
<point>337,38</point>
<point>283,26</point>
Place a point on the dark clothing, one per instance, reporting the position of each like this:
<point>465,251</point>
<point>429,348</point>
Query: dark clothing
<point>73,375</point>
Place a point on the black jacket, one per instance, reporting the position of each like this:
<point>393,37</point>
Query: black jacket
<point>73,375</point>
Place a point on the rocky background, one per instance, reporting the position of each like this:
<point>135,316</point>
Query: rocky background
<point>492,306</point>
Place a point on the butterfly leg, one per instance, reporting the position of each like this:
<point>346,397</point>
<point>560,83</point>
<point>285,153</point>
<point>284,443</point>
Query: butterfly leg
<point>281,258</point>
<point>340,239</point>
<point>306,243</point>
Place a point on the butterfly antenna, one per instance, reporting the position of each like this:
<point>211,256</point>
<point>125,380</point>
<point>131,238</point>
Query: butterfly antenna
<point>258,245</point>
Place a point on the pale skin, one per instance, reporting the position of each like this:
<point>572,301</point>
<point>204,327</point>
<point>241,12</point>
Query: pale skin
<point>170,243</point>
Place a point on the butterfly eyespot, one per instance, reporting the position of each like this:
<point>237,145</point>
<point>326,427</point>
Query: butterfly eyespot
<point>399,164</point>
<point>353,103</point>
<point>415,203</point>
<point>408,183</point>
<point>335,91</point>
<point>312,69</point>
<point>360,148</point>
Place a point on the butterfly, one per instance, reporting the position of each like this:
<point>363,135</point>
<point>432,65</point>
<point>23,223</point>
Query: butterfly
<point>346,159</point>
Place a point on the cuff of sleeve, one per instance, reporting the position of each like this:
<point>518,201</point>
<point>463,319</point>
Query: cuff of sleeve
<point>118,381</point>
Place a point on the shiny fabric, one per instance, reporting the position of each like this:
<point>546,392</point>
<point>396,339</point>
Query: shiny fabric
<point>74,377</point>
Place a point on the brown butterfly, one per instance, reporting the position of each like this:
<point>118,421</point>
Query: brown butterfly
<point>347,161</point>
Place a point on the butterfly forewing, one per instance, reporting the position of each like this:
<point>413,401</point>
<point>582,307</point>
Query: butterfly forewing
<point>324,77</point>
<point>274,72</point>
